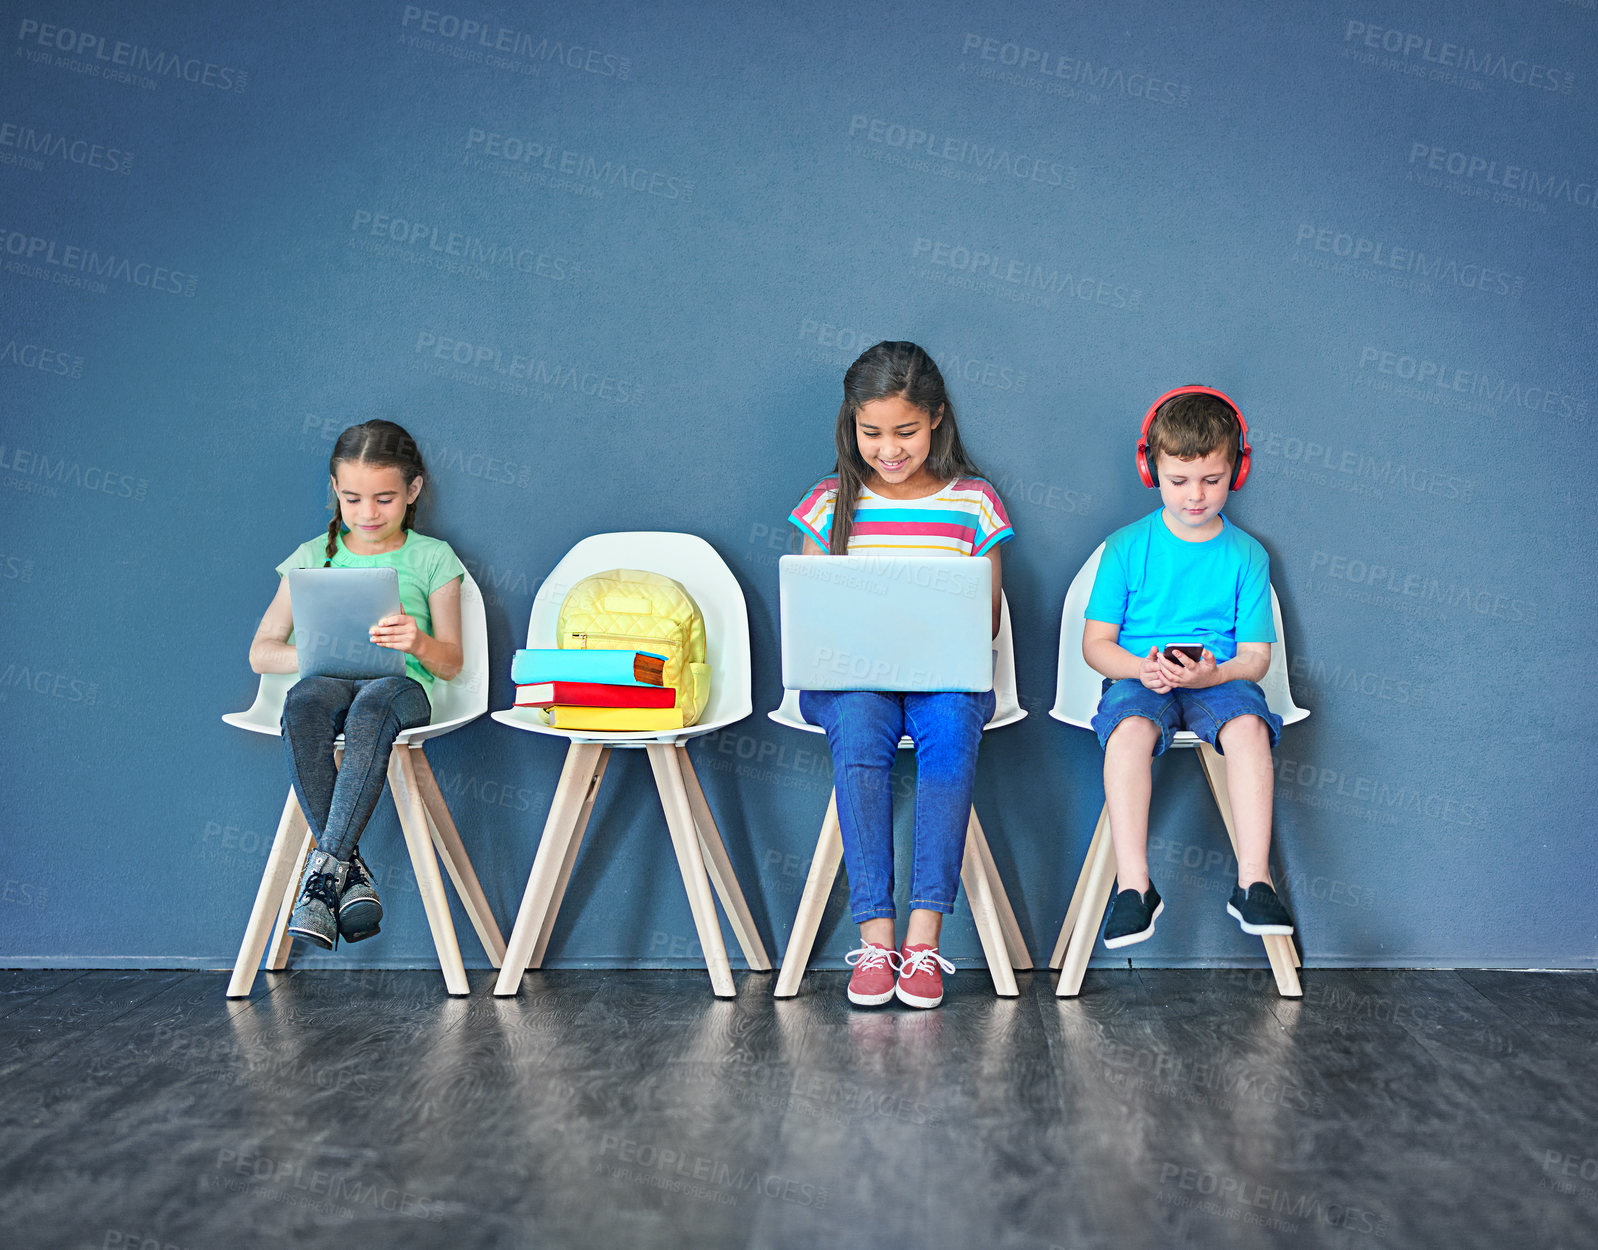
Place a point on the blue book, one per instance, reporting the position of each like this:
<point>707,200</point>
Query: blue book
<point>619,668</point>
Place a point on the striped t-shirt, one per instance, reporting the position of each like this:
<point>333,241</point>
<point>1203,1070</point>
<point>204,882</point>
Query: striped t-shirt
<point>965,518</point>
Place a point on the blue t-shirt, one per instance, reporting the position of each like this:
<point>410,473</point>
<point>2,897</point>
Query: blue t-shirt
<point>1161,590</point>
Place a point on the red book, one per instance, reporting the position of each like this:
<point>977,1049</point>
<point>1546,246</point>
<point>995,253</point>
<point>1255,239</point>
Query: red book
<point>594,694</point>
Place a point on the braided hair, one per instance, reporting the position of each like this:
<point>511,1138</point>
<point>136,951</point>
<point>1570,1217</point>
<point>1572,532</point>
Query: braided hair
<point>380,443</point>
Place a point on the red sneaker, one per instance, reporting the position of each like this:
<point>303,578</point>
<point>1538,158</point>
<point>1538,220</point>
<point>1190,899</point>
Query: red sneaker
<point>921,971</point>
<point>874,969</point>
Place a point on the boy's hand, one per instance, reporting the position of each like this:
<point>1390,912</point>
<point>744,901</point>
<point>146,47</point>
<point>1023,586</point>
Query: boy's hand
<point>1150,675</point>
<point>396,632</point>
<point>1185,673</point>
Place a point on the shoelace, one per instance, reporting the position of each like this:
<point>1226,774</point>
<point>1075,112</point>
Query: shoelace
<point>870,956</point>
<point>357,875</point>
<point>921,961</point>
<point>321,887</point>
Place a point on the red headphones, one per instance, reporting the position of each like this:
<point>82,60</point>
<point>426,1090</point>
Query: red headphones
<point>1145,467</point>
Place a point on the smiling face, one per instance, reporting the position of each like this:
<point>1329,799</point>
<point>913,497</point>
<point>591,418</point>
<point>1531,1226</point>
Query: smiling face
<point>1194,492</point>
<point>895,438</point>
<point>372,500</point>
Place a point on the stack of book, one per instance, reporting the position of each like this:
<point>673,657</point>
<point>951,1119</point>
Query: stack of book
<point>598,690</point>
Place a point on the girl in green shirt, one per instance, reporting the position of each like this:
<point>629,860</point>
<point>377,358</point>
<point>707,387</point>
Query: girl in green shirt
<point>376,473</point>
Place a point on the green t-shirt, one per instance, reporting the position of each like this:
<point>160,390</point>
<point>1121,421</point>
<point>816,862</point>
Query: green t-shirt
<point>424,564</point>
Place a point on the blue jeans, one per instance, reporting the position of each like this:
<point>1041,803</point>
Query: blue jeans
<point>1201,712</point>
<point>863,729</point>
<point>370,713</point>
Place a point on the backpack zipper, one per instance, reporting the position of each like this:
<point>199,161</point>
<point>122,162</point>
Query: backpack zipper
<point>655,642</point>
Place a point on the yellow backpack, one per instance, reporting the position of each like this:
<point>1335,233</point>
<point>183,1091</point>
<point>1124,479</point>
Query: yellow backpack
<point>629,610</point>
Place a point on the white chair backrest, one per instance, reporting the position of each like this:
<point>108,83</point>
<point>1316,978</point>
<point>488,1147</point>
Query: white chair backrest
<point>466,697</point>
<point>1077,686</point>
<point>454,702</point>
<point>688,559</point>
<point>1007,705</point>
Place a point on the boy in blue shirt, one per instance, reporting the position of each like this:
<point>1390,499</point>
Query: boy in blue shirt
<point>1185,576</point>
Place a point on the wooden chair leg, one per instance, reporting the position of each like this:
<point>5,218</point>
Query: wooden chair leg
<point>424,862</point>
<point>1068,926</point>
<point>720,868</point>
<point>456,862</point>
<point>985,914</point>
<point>277,953</point>
<point>1100,876</point>
<point>574,843</point>
<point>685,841</point>
<point>291,832</point>
<point>1020,956</point>
<point>582,760</point>
<point>813,902</point>
<point>1279,948</point>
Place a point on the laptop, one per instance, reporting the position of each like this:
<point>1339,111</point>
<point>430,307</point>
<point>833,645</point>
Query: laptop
<point>914,623</point>
<point>333,611</point>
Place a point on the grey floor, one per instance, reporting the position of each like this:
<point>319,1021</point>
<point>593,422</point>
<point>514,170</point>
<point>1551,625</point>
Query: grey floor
<point>142,1111</point>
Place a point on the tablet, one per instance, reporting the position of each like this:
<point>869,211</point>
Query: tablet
<point>904,623</point>
<point>334,610</point>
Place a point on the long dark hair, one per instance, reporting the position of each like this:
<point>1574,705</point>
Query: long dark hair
<point>891,370</point>
<point>379,443</point>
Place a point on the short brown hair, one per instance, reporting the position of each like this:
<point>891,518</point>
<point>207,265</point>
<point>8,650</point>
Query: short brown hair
<point>1191,426</point>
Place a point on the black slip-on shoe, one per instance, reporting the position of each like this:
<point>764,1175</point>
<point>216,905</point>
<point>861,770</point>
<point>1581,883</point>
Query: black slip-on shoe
<point>1132,917</point>
<point>1259,911</point>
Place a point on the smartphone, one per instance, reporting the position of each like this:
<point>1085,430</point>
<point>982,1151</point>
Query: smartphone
<point>1192,650</point>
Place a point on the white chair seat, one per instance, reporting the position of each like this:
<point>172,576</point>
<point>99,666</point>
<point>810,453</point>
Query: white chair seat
<point>527,718</point>
<point>424,818</point>
<point>701,854</point>
<point>455,703</point>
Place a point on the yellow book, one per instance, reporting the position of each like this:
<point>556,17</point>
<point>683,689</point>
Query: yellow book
<point>614,719</point>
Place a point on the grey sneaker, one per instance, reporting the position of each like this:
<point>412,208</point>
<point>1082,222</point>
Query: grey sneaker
<point>315,914</point>
<point>360,911</point>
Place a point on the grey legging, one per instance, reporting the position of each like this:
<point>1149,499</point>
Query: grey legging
<point>338,802</point>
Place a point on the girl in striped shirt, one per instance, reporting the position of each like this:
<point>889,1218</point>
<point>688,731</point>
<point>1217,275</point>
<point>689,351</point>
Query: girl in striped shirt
<point>903,485</point>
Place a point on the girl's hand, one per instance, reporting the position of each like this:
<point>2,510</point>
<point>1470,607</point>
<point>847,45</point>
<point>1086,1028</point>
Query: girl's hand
<point>397,632</point>
<point>1188,675</point>
<point>1151,675</point>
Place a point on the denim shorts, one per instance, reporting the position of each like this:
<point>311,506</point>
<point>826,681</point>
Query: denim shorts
<point>1202,712</point>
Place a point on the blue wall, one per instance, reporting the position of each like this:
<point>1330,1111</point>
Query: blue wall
<point>609,262</point>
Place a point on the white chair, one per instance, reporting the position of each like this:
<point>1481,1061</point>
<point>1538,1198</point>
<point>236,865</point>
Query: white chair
<point>694,836</point>
<point>424,818</point>
<point>1002,944</point>
<point>1076,698</point>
